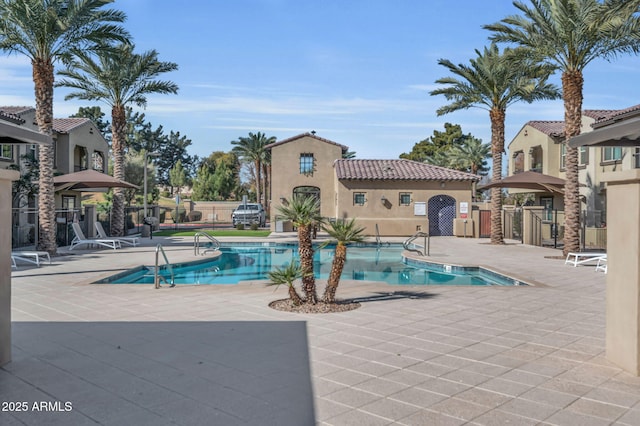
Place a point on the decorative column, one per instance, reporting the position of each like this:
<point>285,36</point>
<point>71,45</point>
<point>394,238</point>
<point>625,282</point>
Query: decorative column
<point>623,269</point>
<point>6,176</point>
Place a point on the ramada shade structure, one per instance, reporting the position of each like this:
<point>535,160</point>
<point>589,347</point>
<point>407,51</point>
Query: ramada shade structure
<point>621,133</point>
<point>529,180</point>
<point>87,180</point>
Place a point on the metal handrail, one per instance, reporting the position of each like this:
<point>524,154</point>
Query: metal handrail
<point>156,273</point>
<point>378,241</point>
<point>196,243</point>
<point>427,243</point>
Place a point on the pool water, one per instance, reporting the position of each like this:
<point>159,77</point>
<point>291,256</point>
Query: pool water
<point>364,263</point>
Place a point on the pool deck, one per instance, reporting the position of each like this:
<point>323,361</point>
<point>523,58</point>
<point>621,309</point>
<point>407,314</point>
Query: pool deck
<point>218,355</point>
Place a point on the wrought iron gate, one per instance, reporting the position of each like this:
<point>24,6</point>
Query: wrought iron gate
<point>441,212</point>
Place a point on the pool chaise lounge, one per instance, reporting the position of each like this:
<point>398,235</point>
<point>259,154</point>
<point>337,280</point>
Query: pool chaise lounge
<point>130,240</point>
<point>29,257</point>
<point>80,239</point>
<point>576,259</point>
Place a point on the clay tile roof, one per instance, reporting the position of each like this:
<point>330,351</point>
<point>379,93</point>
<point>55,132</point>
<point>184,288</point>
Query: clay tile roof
<point>599,114</point>
<point>7,116</point>
<point>311,135</point>
<point>355,169</point>
<point>64,125</point>
<point>15,110</point>
<point>617,115</point>
<point>551,128</point>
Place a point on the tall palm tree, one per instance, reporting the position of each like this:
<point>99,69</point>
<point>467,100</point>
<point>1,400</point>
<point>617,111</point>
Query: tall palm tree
<point>493,81</point>
<point>46,31</point>
<point>471,156</point>
<point>343,233</point>
<point>119,77</point>
<point>570,34</point>
<point>251,149</point>
<point>304,213</point>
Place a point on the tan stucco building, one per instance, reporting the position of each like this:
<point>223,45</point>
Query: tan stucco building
<point>400,197</point>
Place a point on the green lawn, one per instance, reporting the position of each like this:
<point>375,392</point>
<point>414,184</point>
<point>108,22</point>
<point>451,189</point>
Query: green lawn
<point>216,233</point>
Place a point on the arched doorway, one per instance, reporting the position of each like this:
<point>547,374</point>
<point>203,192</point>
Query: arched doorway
<point>307,191</point>
<point>441,211</point>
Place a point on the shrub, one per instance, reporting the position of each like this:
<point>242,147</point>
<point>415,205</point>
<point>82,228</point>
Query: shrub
<point>194,216</point>
<point>240,227</point>
<point>254,226</point>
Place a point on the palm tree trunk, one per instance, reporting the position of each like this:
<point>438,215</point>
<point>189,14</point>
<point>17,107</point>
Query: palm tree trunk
<point>337,266</point>
<point>294,296</point>
<point>118,130</point>
<point>43,79</point>
<point>497,117</point>
<point>305,250</point>
<point>572,83</point>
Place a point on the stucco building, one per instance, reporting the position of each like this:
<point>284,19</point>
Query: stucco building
<point>399,197</point>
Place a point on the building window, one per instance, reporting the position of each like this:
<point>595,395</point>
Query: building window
<point>359,198</point>
<point>518,162</point>
<point>98,161</point>
<point>611,153</point>
<point>6,152</point>
<point>583,156</point>
<point>405,198</point>
<point>306,164</point>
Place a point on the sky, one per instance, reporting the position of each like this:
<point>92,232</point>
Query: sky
<point>357,72</point>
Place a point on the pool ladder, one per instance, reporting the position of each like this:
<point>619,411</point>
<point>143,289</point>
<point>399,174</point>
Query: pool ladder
<point>215,244</point>
<point>156,272</point>
<point>425,248</point>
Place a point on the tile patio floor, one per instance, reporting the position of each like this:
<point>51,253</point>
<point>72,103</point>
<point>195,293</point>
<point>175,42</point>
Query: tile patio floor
<point>218,355</point>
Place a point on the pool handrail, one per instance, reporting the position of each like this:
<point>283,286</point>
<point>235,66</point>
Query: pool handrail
<point>426,247</point>
<point>196,243</point>
<point>156,272</point>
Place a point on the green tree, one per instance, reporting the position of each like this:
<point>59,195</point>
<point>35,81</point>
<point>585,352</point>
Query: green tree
<point>569,35</point>
<point>438,142</point>
<point>342,233</point>
<point>204,185</point>
<point>251,150</point>
<point>26,187</point>
<point>493,81</point>
<point>177,176</point>
<point>287,275</point>
<point>134,169</point>
<point>119,77</point>
<point>46,31</point>
<point>304,213</point>
<point>471,156</point>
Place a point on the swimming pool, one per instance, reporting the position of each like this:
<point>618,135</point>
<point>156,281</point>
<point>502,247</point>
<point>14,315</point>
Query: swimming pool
<point>364,263</point>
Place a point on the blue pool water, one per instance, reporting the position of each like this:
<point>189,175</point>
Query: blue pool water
<point>385,264</point>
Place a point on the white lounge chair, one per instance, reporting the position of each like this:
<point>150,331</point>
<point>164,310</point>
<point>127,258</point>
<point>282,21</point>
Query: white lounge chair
<point>602,265</point>
<point>29,257</point>
<point>80,239</point>
<point>576,259</point>
<point>132,241</point>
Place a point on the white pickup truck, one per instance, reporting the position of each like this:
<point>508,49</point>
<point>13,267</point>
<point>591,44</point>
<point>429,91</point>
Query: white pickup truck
<point>249,213</point>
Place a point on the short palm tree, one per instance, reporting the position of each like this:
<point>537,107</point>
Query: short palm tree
<point>471,156</point>
<point>118,77</point>
<point>493,81</point>
<point>251,149</point>
<point>570,34</point>
<point>304,213</point>
<point>287,275</point>
<point>343,233</point>
<point>46,31</point>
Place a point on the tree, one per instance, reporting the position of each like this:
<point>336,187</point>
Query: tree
<point>118,77</point>
<point>177,176</point>
<point>304,213</point>
<point>493,81</point>
<point>251,149</point>
<point>471,156</point>
<point>203,185</point>
<point>343,233</point>
<point>26,187</point>
<point>439,141</point>
<point>287,275</point>
<point>46,31</point>
<point>570,34</point>
<point>134,169</point>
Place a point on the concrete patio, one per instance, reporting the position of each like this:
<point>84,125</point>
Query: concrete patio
<point>218,355</point>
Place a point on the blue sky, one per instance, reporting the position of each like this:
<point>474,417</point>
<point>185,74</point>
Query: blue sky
<point>357,72</point>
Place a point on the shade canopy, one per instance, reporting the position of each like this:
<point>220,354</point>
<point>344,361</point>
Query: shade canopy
<point>87,180</point>
<point>622,133</point>
<point>529,180</point>
<point>15,135</point>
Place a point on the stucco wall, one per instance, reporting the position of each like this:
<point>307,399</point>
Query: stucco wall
<point>6,176</point>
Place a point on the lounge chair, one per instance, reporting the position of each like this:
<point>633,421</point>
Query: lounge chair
<point>80,239</point>
<point>602,265</point>
<point>29,257</point>
<point>576,259</point>
<point>132,241</point>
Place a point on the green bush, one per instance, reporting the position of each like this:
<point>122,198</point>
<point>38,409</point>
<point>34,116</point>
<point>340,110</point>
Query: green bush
<point>254,226</point>
<point>165,194</point>
<point>240,227</point>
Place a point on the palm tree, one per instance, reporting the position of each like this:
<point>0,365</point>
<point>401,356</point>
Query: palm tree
<point>343,233</point>
<point>493,81</point>
<point>287,275</point>
<point>251,149</point>
<point>304,213</point>
<point>570,34</point>
<point>471,156</point>
<point>46,31</point>
<point>119,77</point>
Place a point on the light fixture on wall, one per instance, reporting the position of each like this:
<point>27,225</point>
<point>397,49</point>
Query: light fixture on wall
<point>442,184</point>
<point>383,199</point>
<point>526,133</point>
